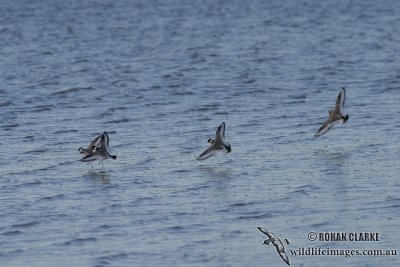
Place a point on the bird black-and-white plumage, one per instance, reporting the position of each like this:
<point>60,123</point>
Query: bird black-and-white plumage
<point>274,240</point>
<point>336,115</point>
<point>218,144</point>
<point>91,147</point>
<point>101,151</point>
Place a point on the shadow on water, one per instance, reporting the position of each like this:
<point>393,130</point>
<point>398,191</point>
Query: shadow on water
<point>336,157</point>
<point>217,172</point>
<point>101,175</point>
<point>336,166</point>
<point>218,179</point>
<point>333,162</point>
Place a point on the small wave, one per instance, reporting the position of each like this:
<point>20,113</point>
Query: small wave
<point>105,226</point>
<point>58,196</point>
<point>117,108</point>
<point>396,206</point>
<point>204,118</point>
<point>102,263</point>
<point>221,113</point>
<point>197,188</point>
<point>73,90</point>
<point>155,87</point>
<point>43,83</point>
<point>123,83</point>
<point>10,233</point>
<point>256,216</point>
<point>298,96</point>
<point>249,92</point>
<point>251,123</point>
<point>178,228</point>
<point>37,151</point>
<point>392,198</point>
<point>25,225</point>
<point>81,60</point>
<point>183,93</point>
<point>123,120</point>
<point>9,126</point>
<point>160,103</point>
<point>301,192</point>
<point>390,89</point>
<point>249,81</point>
<point>204,108</point>
<point>5,104</point>
<point>5,30</point>
<point>316,225</point>
<point>78,241</point>
<point>295,102</point>
<point>275,89</point>
<point>240,204</point>
<point>42,108</point>
<point>37,182</point>
<point>173,75</point>
<point>66,131</point>
<point>174,85</point>
<point>309,186</point>
<point>104,260</point>
<point>64,163</point>
<point>181,171</point>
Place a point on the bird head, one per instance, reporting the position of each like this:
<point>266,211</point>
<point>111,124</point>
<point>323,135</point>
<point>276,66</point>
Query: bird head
<point>346,118</point>
<point>228,148</point>
<point>267,242</point>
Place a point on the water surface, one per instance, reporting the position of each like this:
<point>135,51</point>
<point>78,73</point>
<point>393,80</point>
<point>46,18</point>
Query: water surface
<point>160,76</point>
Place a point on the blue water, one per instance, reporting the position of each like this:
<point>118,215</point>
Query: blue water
<point>160,76</point>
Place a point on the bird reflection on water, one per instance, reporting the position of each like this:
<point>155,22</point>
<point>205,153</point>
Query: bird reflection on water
<point>221,172</point>
<point>98,175</point>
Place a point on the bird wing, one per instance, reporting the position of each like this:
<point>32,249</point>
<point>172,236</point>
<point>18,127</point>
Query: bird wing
<point>207,153</point>
<point>90,157</point>
<point>341,99</point>
<point>266,232</point>
<point>94,143</point>
<point>103,141</point>
<point>220,134</point>
<point>284,256</point>
<point>328,124</point>
<point>106,138</point>
<point>280,248</point>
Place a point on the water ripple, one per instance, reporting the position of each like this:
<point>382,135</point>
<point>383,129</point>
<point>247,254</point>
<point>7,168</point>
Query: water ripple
<point>72,90</point>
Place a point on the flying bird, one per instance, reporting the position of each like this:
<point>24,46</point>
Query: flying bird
<point>101,151</point>
<point>335,116</point>
<point>274,240</point>
<point>217,144</point>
